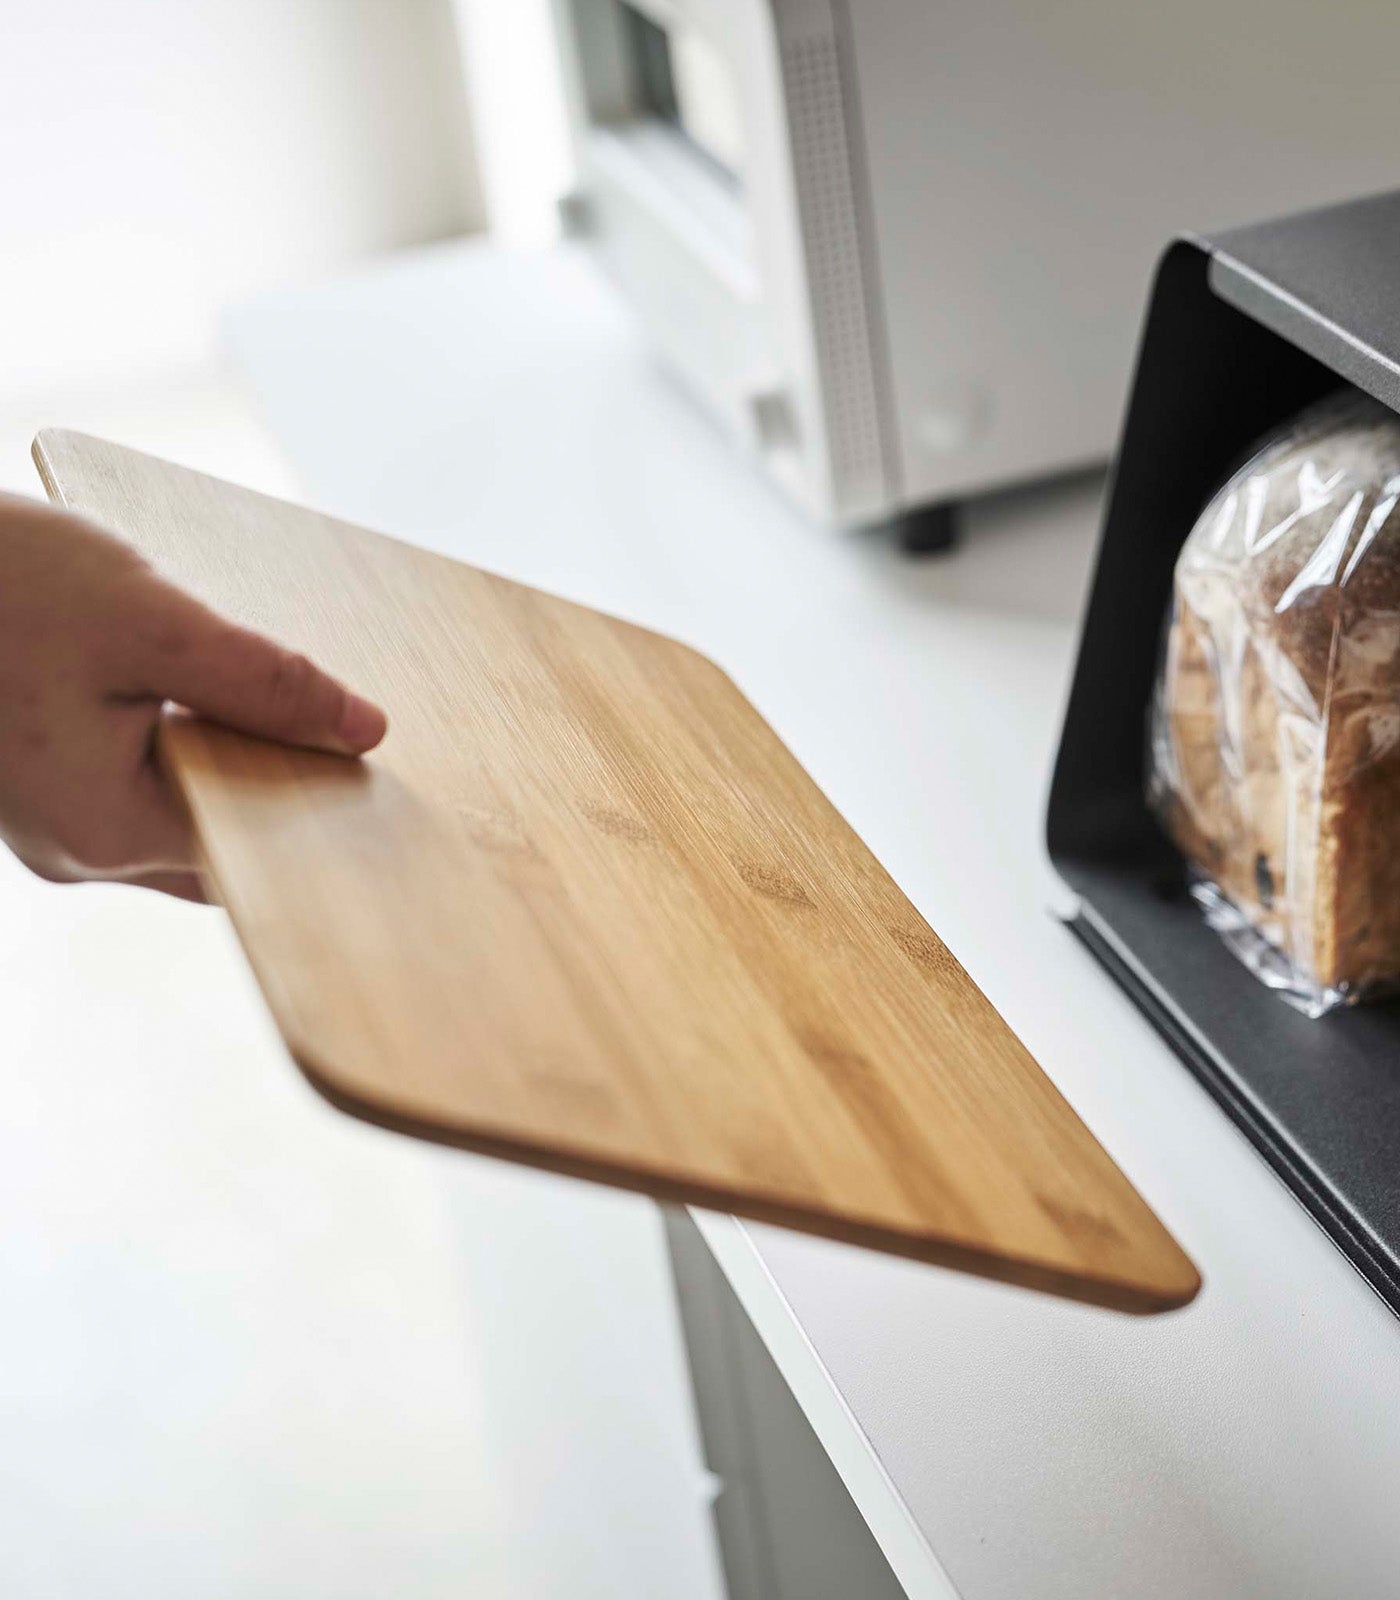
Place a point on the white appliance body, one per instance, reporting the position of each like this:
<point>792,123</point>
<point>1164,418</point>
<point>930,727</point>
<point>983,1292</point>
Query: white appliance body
<point>900,248</point>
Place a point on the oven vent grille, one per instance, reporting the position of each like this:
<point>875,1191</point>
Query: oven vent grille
<point>827,204</point>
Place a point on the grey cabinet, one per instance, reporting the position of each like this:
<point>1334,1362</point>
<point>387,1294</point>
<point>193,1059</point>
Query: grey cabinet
<point>787,1528</point>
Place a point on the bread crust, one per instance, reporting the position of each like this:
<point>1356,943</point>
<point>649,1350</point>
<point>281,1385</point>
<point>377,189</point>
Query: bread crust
<point>1275,749</point>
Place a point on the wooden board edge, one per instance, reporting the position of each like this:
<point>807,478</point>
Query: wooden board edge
<point>1108,1294</point>
<point>39,451</point>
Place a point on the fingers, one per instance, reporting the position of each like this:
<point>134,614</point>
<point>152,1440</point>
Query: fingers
<point>187,653</point>
<point>180,885</point>
<point>159,836</point>
<point>92,644</point>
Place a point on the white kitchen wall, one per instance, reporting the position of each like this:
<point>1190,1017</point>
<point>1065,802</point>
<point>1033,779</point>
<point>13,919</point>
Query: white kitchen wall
<point>517,97</point>
<point>161,158</point>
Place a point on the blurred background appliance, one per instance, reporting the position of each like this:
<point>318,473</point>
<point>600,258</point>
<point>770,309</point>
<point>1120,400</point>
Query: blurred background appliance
<point>899,249</point>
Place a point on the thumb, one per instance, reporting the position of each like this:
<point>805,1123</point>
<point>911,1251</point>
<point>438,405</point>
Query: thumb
<point>243,679</point>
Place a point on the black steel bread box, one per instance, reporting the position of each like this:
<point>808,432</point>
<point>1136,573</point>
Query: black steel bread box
<point>1242,330</point>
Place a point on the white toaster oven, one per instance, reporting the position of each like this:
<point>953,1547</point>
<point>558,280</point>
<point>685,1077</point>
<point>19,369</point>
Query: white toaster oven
<point>899,246</point>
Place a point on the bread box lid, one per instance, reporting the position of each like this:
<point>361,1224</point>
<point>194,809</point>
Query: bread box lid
<point>1241,332</point>
<point>583,909</point>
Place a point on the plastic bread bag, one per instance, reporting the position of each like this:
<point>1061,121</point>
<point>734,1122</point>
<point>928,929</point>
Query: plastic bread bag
<point>1274,734</point>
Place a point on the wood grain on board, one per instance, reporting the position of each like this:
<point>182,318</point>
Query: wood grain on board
<point>583,909</point>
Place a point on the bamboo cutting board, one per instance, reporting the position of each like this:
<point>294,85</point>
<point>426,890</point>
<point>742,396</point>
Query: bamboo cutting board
<point>583,909</point>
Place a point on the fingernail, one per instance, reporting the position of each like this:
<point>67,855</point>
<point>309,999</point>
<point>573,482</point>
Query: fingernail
<point>362,725</point>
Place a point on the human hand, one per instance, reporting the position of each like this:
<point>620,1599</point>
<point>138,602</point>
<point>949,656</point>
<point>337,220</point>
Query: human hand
<point>93,643</point>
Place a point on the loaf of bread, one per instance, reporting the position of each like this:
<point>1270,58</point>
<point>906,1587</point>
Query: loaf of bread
<point>1275,730</point>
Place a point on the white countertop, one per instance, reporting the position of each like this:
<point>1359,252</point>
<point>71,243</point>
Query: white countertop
<point>1000,1443</point>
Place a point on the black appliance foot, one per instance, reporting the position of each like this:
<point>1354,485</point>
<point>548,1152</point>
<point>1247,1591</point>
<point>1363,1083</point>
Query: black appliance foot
<point>928,530</point>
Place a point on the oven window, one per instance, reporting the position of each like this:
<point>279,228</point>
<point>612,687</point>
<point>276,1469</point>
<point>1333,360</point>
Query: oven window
<point>681,79</point>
